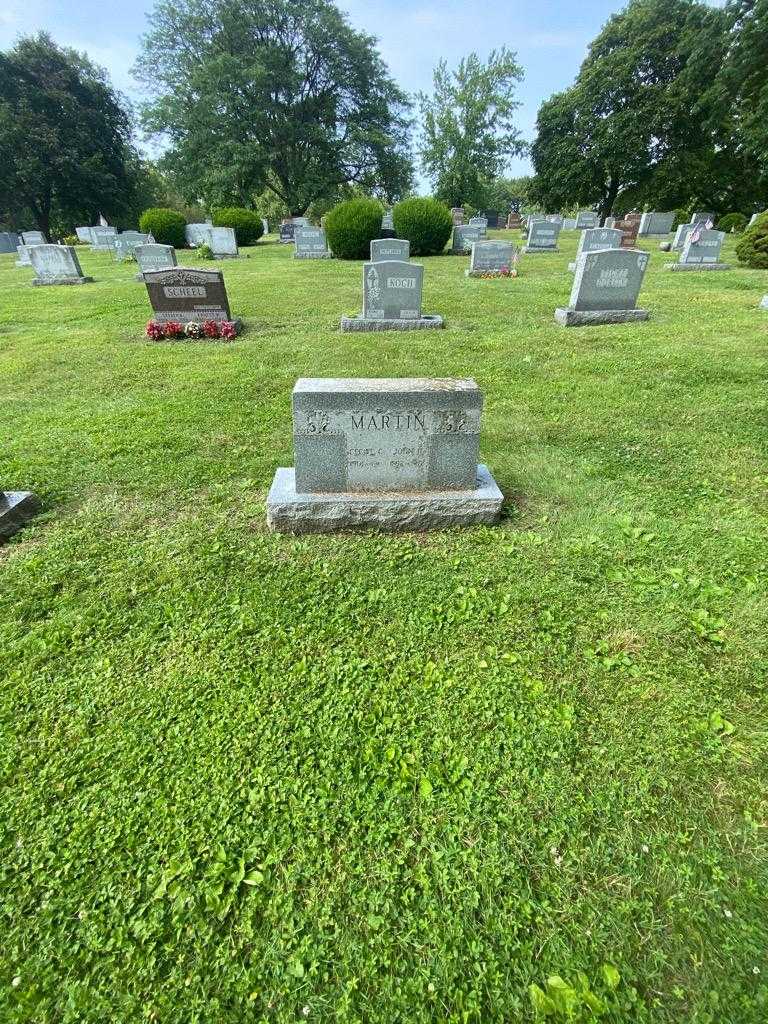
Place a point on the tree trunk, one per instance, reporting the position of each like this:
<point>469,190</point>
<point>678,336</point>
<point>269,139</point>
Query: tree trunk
<point>606,203</point>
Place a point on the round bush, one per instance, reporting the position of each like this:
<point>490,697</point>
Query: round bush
<point>752,247</point>
<point>351,226</point>
<point>247,223</point>
<point>732,222</point>
<point>166,226</point>
<point>426,223</point>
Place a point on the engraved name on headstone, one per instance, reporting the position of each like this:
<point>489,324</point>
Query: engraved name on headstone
<point>701,250</point>
<point>586,219</point>
<point>542,236</point>
<point>182,294</point>
<point>390,249</point>
<point>152,256</point>
<point>392,290</point>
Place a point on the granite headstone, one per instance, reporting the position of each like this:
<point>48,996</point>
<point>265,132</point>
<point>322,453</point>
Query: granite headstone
<point>586,219</point>
<point>463,237</point>
<point>390,249</point>
<point>33,238</point>
<point>392,291</point>
<point>183,294</point>
<point>152,256</point>
<point>311,244</point>
<point>605,288</point>
<point>597,238</point>
<point>56,264</point>
<point>16,509</point>
<point>491,258</point>
<point>542,236</point>
<point>701,250</point>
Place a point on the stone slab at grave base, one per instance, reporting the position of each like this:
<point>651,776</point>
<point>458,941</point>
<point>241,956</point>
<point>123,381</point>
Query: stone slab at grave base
<point>591,317</point>
<point>528,249</point>
<point>313,255</point>
<point>289,512</point>
<point>422,323</point>
<point>16,509</point>
<point>38,282</point>
<point>697,266</point>
<point>764,302</point>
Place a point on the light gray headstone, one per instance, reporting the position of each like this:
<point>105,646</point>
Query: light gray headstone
<point>569,224</point>
<point>478,222</point>
<point>310,242</point>
<point>543,234</point>
<point>681,234</point>
<point>464,235</point>
<point>55,264</point>
<point>196,234</point>
<point>388,221</point>
<point>392,290</point>
<point>705,250</point>
<point>491,255</point>
<point>265,225</point>
<point>555,218</point>
<point>609,222</point>
<point>222,241</point>
<point>151,256</point>
<point>656,223</point>
<point>586,219</point>
<point>608,279</point>
<point>103,237</point>
<point>126,242</point>
<point>33,238</point>
<point>598,238</point>
<point>702,218</point>
<point>9,241</point>
<point>764,302</point>
<point>354,435</point>
<point>83,234</point>
<point>23,259</point>
<point>390,249</point>
<point>300,222</point>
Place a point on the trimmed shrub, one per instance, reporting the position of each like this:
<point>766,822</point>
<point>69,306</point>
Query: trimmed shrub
<point>426,223</point>
<point>166,226</point>
<point>752,247</point>
<point>350,228</point>
<point>732,222</point>
<point>247,223</point>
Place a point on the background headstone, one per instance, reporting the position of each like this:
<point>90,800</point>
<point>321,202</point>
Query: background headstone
<point>569,223</point>
<point>390,249</point>
<point>605,288</point>
<point>84,234</point>
<point>457,213</point>
<point>701,250</point>
<point>586,219</point>
<point>610,222</point>
<point>125,243</point>
<point>151,256</point>
<point>103,238</point>
<point>16,509</point>
<point>9,241</point>
<point>196,234</point>
<point>628,228</point>
<point>656,223</point>
<point>391,454</point>
<point>23,259</point>
<point>592,239</point>
<point>491,218</point>
<point>287,230</point>
<point>311,244</point>
<point>222,241</point>
<point>33,238</point>
<point>542,236</point>
<point>265,225</point>
<point>56,264</point>
<point>702,218</point>
<point>182,294</point>
<point>463,237</point>
<point>490,256</point>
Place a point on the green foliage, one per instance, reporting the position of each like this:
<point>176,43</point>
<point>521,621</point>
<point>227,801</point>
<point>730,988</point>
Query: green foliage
<point>576,1002</point>
<point>166,226</point>
<point>282,96</point>
<point>468,127</point>
<point>752,247</point>
<point>246,223</point>
<point>71,240</point>
<point>204,252</point>
<point>64,138</point>
<point>735,222</point>
<point>742,84</point>
<point>425,222</point>
<point>351,226</point>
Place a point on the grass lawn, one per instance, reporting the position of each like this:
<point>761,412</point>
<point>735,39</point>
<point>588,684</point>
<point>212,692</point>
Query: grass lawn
<point>362,778</point>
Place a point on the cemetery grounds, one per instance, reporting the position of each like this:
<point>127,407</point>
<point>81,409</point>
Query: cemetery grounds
<point>249,777</point>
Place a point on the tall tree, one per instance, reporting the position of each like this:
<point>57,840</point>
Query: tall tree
<point>64,136</point>
<point>255,94</point>
<point>638,121</point>
<point>468,128</point>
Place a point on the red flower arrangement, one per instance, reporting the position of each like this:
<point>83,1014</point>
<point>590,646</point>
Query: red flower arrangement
<point>226,330</point>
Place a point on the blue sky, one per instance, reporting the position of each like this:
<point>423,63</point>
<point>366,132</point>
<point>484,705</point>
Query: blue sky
<point>550,37</point>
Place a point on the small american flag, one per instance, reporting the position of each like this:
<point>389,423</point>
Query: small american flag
<point>698,229</point>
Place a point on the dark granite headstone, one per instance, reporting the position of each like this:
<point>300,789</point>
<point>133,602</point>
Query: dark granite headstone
<point>16,509</point>
<point>287,230</point>
<point>182,294</point>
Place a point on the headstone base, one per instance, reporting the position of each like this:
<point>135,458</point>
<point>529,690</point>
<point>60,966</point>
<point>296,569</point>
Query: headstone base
<point>41,281</point>
<point>313,255</point>
<point>697,266</point>
<point>591,317</point>
<point>16,509</point>
<point>764,302</point>
<point>423,323</point>
<point>530,249</point>
<point>289,512</point>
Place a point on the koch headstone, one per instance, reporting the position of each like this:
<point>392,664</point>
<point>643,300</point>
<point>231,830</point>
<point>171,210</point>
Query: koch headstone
<point>392,292</point>
<point>152,256</point>
<point>491,258</point>
<point>463,237</point>
<point>390,249</point>
<point>391,454</point>
<point>56,264</point>
<point>605,288</point>
<point>542,236</point>
<point>311,244</point>
<point>586,219</point>
<point>655,224</point>
<point>701,251</point>
<point>33,238</point>
<point>16,509</point>
<point>592,239</point>
<point>184,294</point>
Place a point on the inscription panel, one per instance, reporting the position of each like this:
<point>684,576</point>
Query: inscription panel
<point>608,279</point>
<point>392,290</point>
<point>385,435</point>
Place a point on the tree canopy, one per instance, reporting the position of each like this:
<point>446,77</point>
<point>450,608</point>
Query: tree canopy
<point>64,135</point>
<point>468,129</point>
<point>272,94</point>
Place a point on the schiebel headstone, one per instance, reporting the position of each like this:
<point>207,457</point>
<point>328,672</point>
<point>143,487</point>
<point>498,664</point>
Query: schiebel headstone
<point>542,236</point>
<point>491,258</point>
<point>152,256</point>
<point>183,294</point>
<point>654,224</point>
<point>387,454</point>
<point>463,237</point>
<point>33,238</point>
<point>56,264</point>
<point>311,244</point>
<point>605,288</point>
<point>103,238</point>
<point>390,249</point>
<point>586,219</point>
<point>593,239</point>
<point>16,509</point>
<point>701,251</point>
<point>392,292</point>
